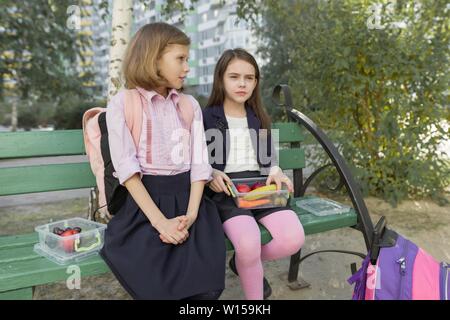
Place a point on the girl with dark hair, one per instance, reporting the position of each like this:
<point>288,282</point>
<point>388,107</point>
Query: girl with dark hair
<point>235,111</point>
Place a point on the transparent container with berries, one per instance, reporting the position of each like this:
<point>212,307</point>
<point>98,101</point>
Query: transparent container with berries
<point>253,193</point>
<point>70,240</point>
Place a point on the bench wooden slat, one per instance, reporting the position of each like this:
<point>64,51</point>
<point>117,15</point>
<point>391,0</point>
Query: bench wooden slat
<point>17,254</point>
<point>292,158</point>
<point>23,240</point>
<point>42,178</point>
<point>31,179</point>
<point>29,273</point>
<point>314,224</point>
<point>19,294</point>
<point>70,142</point>
<point>41,143</point>
<point>289,132</point>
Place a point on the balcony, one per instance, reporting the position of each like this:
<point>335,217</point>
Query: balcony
<point>211,42</point>
<point>208,25</point>
<point>208,61</point>
<point>206,79</point>
<point>203,8</point>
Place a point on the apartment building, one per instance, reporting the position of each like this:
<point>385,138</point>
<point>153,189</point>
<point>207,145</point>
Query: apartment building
<point>212,26</point>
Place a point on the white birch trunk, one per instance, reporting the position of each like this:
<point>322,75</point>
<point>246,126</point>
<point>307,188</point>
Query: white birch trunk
<point>14,114</point>
<point>120,36</point>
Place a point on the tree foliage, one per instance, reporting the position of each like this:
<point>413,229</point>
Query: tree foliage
<point>38,51</point>
<point>381,91</point>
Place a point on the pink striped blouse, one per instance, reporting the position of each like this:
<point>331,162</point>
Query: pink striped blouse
<point>173,150</point>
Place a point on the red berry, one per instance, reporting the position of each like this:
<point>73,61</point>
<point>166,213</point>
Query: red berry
<point>67,244</point>
<point>243,188</point>
<point>58,231</point>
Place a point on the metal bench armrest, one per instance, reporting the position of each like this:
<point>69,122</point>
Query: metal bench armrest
<point>364,221</point>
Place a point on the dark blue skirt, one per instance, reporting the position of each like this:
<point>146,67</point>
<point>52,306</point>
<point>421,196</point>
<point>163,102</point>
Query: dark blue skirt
<point>150,269</point>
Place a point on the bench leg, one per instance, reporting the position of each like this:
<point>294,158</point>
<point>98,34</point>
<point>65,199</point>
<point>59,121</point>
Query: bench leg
<point>18,294</point>
<point>93,204</point>
<point>294,281</point>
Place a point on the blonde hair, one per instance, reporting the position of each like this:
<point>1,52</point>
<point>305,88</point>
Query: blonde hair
<point>139,67</point>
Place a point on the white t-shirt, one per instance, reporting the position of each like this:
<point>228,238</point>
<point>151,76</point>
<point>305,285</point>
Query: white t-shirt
<point>242,155</point>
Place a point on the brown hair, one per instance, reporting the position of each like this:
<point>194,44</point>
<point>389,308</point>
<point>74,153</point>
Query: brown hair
<point>139,67</point>
<point>217,96</point>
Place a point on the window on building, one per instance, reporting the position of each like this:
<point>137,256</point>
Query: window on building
<point>191,54</point>
<point>232,22</point>
<point>239,41</point>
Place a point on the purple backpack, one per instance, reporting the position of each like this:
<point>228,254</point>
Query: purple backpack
<point>397,269</point>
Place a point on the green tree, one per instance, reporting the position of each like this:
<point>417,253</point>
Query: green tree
<point>70,114</point>
<point>27,118</point>
<point>40,53</point>
<point>381,90</point>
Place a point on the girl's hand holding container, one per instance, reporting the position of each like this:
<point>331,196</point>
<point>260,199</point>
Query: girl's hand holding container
<point>218,184</point>
<point>277,176</point>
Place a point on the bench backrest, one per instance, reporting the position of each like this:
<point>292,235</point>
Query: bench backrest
<point>53,177</point>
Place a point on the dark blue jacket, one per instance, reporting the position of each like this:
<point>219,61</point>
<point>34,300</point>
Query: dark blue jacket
<point>214,118</point>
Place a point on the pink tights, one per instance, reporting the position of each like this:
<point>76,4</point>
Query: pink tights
<point>288,237</point>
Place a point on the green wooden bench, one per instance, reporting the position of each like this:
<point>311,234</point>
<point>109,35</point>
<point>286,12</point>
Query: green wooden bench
<point>21,269</point>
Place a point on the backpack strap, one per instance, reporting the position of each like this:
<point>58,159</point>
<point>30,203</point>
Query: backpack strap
<point>187,110</point>
<point>133,114</point>
<point>88,115</point>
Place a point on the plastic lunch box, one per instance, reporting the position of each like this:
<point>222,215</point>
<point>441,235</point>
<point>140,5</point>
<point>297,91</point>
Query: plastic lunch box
<point>69,249</point>
<point>322,207</point>
<point>258,200</point>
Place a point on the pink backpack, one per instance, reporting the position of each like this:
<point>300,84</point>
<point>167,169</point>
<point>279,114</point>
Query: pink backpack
<point>397,269</point>
<point>111,194</point>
